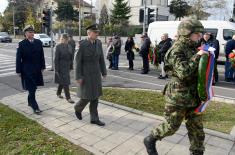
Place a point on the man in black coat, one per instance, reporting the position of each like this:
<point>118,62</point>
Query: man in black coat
<point>210,39</point>
<point>144,51</point>
<point>229,71</point>
<point>164,46</point>
<point>30,63</point>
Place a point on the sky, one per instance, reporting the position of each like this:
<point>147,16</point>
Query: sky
<point>3,5</point>
<point>218,14</point>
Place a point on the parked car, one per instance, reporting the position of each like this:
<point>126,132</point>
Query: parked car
<point>5,37</point>
<point>45,39</point>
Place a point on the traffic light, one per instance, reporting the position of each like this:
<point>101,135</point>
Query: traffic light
<point>151,15</point>
<point>46,19</point>
<point>141,15</point>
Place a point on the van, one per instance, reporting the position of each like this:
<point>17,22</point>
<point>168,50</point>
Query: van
<point>222,30</point>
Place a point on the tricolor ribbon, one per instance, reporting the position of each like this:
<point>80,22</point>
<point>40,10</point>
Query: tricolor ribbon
<point>209,77</point>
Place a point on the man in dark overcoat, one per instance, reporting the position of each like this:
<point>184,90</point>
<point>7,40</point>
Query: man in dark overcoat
<point>144,51</point>
<point>89,70</point>
<point>30,63</point>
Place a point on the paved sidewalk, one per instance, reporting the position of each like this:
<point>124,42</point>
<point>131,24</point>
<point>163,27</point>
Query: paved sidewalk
<point>123,133</point>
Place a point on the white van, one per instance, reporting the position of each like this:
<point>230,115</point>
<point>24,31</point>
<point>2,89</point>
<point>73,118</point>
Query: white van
<point>223,30</point>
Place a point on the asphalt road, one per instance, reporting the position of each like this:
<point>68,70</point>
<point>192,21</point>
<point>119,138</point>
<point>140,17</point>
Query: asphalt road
<point>10,82</point>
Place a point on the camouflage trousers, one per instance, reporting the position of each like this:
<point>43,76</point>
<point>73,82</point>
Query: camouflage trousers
<point>174,116</point>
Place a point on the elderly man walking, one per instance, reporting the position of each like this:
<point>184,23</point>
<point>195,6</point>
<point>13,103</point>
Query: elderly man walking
<point>89,70</point>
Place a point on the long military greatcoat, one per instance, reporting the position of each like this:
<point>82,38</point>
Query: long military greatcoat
<point>29,63</point>
<point>90,66</point>
<point>63,63</point>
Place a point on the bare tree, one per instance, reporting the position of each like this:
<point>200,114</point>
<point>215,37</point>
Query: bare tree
<point>199,8</point>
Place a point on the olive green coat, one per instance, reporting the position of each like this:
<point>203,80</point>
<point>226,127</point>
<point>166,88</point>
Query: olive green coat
<point>90,66</point>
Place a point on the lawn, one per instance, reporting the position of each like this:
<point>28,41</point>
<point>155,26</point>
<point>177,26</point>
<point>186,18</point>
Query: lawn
<point>218,116</point>
<point>20,135</point>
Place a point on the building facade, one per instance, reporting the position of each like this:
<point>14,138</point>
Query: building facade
<point>160,6</point>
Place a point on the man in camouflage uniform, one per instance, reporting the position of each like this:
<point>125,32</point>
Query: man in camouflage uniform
<point>181,92</point>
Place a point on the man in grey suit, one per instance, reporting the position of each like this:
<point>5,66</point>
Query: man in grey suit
<point>89,70</point>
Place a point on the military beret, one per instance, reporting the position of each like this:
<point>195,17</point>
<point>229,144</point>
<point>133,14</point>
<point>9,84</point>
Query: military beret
<point>93,27</point>
<point>28,28</point>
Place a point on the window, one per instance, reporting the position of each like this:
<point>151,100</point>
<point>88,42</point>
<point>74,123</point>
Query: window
<point>213,31</point>
<point>228,34</point>
<point>43,36</point>
<point>4,34</point>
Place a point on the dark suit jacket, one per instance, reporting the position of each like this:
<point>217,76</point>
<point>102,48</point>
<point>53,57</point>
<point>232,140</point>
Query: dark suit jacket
<point>30,62</point>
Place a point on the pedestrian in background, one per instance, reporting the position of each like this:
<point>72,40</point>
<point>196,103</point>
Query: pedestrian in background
<point>30,64</point>
<point>72,43</point>
<point>181,95</point>
<point>209,39</point>
<point>116,52</point>
<point>164,46</point>
<point>229,71</point>
<point>63,65</point>
<point>109,52</point>
<point>129,51</point>
<point>90,68</point>
<point>144,51</point>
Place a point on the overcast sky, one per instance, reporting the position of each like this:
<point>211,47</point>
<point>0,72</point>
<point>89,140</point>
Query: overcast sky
<point>3,5</point>
<point>217,14</point>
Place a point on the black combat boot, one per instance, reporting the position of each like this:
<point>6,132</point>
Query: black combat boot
<point>150,144</point>
<point>196,153</point>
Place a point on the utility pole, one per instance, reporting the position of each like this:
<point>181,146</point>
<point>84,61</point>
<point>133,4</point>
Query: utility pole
<point>144,23</point>
<point>80,14</point>
<point>52,40</point>
<point>91,11</point>
<point>13,16</point>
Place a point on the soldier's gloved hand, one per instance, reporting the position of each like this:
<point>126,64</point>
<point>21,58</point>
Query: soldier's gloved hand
<point>201,52</point>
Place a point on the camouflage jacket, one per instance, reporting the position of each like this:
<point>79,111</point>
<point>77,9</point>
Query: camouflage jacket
<point>182,62</point>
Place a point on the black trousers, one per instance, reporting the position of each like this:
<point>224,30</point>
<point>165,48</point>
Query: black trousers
<point>216,74</point>
<point>131,64</point>
<point>81,104</point>
<point>145,63</point>
<point>66,91</point>
<point>32,99</point>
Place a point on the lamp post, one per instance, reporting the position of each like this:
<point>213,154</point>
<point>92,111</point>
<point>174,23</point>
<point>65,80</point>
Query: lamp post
<point>144,23</point>
<point>80,14</point>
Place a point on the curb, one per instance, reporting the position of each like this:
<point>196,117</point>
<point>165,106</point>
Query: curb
<point>230,136</point>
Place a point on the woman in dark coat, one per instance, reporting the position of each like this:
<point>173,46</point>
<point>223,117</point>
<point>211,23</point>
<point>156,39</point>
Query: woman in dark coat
<point>63,65</point>
<point>129,52</point>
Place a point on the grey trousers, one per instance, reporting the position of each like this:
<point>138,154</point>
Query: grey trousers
<point>81,104</point>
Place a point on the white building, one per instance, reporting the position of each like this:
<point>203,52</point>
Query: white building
<point>136,5</point>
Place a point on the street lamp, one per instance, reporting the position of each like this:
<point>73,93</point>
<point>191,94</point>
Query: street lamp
<point>13,14</point>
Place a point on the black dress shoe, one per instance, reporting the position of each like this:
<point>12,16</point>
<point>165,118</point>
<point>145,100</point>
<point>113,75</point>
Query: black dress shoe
<point>99,123</point>
<point>78,115</point>
<point>144,72</point>
<point>162,77</point>
<point>70,101</point>
<point>37,111</point>
<point>150,144</point>
<point>60,96</point>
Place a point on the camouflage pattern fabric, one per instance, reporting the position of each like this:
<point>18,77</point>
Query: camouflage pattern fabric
<point>174,116</point>
<point>180,93</point>
<point>186,27</point>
